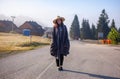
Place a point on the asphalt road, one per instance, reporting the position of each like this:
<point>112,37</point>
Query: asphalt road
<point>86,61</point>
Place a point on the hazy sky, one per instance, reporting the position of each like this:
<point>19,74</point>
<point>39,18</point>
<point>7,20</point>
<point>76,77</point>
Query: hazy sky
<point>45,11</point>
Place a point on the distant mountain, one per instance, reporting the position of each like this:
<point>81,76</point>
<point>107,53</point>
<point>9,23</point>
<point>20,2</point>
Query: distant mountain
<point>19,20</point>
<point>3,17</point>
<point>7,26</point>
<point>35,28</point>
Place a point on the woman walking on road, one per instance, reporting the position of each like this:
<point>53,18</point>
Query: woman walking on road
<point>60,43</point>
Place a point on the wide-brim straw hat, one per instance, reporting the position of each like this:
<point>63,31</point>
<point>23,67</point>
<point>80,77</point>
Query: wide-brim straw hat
<point>58,17</point>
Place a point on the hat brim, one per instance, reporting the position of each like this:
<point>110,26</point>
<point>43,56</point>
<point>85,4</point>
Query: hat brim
<point>55,20</point>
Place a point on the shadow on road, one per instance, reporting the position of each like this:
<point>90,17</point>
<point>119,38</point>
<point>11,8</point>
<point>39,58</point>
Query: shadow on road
<point>90,74</point>
<point>117,49</point>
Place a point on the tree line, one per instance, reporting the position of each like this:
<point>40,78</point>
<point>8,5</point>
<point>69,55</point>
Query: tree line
<point>87,32</point>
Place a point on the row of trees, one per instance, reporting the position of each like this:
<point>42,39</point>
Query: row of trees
<point>87,32</point>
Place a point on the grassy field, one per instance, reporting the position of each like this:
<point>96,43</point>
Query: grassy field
<point>10,43</point>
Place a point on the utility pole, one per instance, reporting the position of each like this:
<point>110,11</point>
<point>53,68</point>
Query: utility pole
<point>13,17</point>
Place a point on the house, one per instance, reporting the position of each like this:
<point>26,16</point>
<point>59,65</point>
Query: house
<point>34,27</point>
<point>8,26</point>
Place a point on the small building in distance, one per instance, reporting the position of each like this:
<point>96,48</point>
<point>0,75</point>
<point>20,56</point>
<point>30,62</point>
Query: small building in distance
<point>34,27</point>
<point>48,32</point>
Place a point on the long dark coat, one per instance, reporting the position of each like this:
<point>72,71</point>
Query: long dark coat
<point>59,46</point>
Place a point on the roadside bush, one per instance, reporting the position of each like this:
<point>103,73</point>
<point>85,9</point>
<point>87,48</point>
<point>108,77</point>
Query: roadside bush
<point>114,36</point>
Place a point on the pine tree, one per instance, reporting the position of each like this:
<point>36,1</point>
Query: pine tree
<point>102,25</point>
<point>86,31</point>
<point>93,31</point>
<point>113,24</point>
<point>75,29</point>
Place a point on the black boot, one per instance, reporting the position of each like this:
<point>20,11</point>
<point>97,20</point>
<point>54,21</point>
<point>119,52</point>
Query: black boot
<point>60,68</point>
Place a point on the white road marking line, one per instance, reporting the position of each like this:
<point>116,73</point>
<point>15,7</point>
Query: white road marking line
<point>40,75</point>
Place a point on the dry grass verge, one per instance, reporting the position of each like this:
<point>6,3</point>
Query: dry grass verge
<point>10,43</point>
